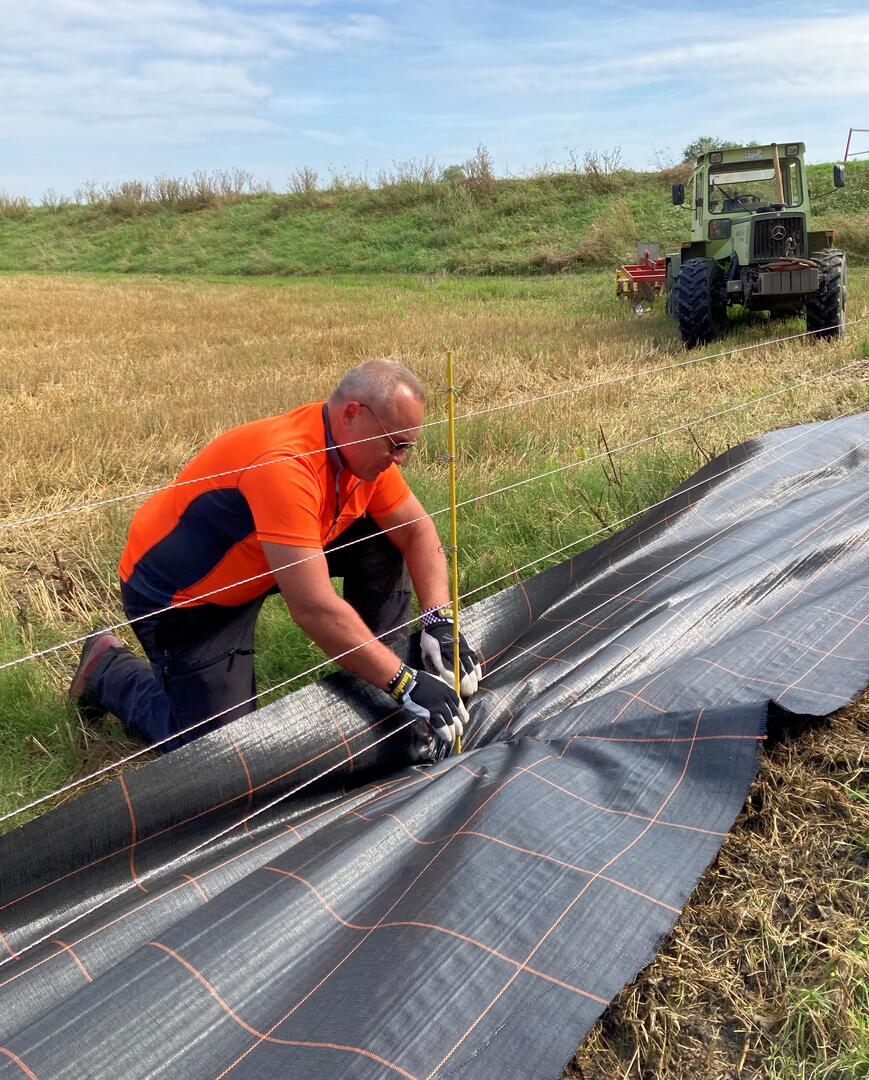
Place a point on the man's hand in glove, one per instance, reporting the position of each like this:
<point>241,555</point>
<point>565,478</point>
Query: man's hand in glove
<point>436,644</point>
<point>428,698</point>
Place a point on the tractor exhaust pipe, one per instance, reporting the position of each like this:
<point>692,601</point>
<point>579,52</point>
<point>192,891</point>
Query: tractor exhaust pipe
<point>776,164</point>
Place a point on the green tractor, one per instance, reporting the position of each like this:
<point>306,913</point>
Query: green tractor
<point>752,244</point>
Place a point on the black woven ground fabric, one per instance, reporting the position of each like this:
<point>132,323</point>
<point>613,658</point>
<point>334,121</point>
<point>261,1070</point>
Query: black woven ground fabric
<point>288,897</point>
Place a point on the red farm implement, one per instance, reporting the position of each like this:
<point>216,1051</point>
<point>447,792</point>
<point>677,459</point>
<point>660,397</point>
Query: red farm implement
<point>640,282</point>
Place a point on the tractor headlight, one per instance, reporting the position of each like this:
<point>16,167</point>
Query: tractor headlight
<point>719,229</point>
<point>792,150</point>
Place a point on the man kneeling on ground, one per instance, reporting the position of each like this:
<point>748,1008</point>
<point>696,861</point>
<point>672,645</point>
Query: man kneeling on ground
<point>272,505</point>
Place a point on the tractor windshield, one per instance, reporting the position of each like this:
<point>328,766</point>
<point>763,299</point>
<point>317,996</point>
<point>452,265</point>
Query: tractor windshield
<point>751,186</point>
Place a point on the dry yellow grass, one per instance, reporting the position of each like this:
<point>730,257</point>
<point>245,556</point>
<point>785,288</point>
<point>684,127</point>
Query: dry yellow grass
<point>109,385</point>
<point>766,974</point>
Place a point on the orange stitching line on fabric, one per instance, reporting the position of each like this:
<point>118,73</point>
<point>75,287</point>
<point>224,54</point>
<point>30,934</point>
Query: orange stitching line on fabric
<point>347,955</point>
<point>564,913</point>
<point>133,834</point>
<point>154,898</point>
<point>271,1038</point>
<point>19,1063</point>
<point>392,923</point>
<point>78,963</point>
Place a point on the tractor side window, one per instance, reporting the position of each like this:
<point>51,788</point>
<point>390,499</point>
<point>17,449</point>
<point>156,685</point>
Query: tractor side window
<point>792,177</point>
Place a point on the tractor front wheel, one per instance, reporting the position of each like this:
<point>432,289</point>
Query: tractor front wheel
<point>825,310</point>
<point>701,302</point>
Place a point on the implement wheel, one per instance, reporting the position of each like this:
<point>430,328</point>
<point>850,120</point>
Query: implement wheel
<point>825,311</point>
<point>701,302</point>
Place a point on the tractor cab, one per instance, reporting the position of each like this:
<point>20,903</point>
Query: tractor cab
<point>752,244</point>
<point>729,188</point>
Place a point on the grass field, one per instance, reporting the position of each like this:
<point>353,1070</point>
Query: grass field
<point>406,222</point>
<point>109,384</point>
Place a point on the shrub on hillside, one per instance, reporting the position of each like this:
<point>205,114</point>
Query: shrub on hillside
<point>406,184</point>
<point>52,201</point>
<point>852,234</point>
<point>14,206</point>
<point>703,144</point>
<point>603,243</point>
<point>129,198</point>
<point>303,184</point>
<point>602,170</point>
<point>341,183</point>
<point>480,175</point>
<point>453,175</point>
<point>676,173</point>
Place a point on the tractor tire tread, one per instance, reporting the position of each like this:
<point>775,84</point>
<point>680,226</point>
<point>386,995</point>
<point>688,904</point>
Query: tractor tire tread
<point>825,310</point>
<point>699,302</point>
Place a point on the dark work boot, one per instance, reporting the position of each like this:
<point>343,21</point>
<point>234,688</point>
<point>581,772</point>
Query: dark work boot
<point>94,649</point>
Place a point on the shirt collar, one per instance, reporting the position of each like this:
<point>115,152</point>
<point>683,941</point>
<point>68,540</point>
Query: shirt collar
<point>332,452</point>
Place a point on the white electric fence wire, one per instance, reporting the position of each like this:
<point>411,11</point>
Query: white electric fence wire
<point>435,513</point>
<point>302,674</point>
<point>294,791</point>
<point>143,877</point>
<point>513,573</point>
<point>575,389</point>
<point>640,581</point>
<point>627,376</point>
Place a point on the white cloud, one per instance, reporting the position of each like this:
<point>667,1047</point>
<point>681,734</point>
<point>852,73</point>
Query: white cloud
<point>81,28</point>
<point>89,84</point>
<point>193,66</point>
<point>298,103</point>
<point>776,57</point>
<point>332,138</point>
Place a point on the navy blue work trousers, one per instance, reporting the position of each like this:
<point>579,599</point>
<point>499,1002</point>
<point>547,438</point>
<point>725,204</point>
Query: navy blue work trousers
<point>200,668</point>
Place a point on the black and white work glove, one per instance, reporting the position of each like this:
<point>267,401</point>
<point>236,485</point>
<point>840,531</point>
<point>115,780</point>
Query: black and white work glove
<point>428,698</point>
<point>436,645</point>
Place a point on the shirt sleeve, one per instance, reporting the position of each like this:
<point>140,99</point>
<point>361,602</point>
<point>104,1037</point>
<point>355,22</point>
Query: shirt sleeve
<point>286,500</point>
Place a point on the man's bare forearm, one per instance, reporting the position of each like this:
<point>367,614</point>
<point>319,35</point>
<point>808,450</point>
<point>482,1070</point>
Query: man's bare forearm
<point>338,630</point>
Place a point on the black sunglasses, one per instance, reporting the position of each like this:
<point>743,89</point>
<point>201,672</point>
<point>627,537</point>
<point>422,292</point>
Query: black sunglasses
<point>398,447</point>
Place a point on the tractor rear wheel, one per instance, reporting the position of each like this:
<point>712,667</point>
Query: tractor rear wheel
<point>825,310</point>
<point>701,302</point>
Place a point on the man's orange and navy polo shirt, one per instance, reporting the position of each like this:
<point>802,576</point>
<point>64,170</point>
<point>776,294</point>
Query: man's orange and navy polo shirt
<point>189,540</point>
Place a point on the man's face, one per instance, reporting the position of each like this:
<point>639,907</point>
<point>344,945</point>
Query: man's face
<point>389,433</point>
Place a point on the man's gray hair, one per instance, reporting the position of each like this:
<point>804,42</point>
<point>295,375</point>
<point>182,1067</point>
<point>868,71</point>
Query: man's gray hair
<point>375,383</point>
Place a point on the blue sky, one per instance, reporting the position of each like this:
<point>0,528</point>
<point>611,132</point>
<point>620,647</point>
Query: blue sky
<point>108,90</point>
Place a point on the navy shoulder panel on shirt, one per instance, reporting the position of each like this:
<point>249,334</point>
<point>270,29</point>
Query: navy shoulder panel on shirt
<point>210,525</point>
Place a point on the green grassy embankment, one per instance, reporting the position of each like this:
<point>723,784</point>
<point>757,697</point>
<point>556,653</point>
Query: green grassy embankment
<point>478,225</point>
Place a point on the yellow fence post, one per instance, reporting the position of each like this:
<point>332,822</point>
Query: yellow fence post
<point>454,524</point>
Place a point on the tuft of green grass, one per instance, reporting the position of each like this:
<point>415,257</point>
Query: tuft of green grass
<point>284,653</point>
<point>825,1034</point>
<point>38,733</point>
